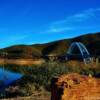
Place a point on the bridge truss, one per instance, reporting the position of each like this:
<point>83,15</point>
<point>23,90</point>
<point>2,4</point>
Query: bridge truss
<point>83,52</point>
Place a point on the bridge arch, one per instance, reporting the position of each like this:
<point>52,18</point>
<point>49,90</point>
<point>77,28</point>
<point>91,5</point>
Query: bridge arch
<point>81,50</point>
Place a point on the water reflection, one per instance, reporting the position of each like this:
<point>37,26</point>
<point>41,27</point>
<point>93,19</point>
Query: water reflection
<point>7,77</point>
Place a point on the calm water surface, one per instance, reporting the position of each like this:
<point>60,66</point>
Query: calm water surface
<point>7,77</point>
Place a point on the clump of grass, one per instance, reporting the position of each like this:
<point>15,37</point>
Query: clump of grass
<point>38,77</point>
<point>41,75</point>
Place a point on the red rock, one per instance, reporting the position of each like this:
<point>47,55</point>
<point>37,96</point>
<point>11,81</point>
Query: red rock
<point>75,87</point>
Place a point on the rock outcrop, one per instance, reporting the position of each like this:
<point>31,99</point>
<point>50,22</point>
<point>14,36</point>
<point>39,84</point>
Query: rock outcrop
<point>75,87</point>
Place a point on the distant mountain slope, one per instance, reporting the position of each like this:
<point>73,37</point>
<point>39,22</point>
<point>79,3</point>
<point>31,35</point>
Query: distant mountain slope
<point>91,41</point>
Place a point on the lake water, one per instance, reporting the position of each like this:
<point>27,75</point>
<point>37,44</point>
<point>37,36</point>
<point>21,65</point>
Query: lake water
<point>7,77</point>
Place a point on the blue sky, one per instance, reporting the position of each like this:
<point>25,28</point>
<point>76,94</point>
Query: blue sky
<point>41,21</point>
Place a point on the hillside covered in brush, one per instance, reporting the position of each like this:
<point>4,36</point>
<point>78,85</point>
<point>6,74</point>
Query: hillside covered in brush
<point>60,47</point>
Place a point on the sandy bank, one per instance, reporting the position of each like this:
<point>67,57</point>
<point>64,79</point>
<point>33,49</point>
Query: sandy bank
<point>21,61</point>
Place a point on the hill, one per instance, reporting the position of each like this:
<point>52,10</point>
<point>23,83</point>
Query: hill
<point>60,47</point>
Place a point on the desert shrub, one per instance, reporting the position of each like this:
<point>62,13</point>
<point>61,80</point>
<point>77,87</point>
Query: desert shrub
<point>43,74</point>
<point>37,76</point>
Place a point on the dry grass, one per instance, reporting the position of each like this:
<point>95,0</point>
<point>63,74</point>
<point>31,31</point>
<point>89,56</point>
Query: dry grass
<point>21,61</point>
<point>42,74</point>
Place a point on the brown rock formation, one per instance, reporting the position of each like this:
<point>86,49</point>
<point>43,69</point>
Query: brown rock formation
<point>75,87</point>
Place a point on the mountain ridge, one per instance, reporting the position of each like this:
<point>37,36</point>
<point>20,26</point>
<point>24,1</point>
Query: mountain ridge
<point>60,47</point>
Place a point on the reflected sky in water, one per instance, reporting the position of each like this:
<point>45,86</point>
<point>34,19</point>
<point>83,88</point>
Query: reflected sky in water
<point>7,77</point>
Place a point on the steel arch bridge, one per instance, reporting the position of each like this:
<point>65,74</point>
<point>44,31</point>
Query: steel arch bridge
<point>83,52</point>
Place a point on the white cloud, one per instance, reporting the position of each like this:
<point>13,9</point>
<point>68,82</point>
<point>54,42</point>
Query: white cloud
<point>60,29</point>
<point>84,15</point>
<point>73,22</point>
